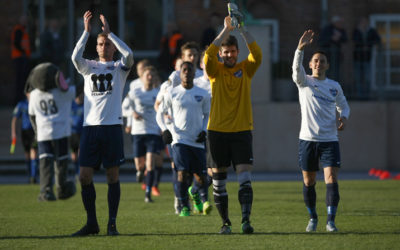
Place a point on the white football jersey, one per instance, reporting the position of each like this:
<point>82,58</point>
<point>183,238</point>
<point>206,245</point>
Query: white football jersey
<point>137,83</point>
<point>52,111</point>
<point>203,83</point>
<point>190,110</point>
<point>103,83</point>
<point>142,102</point>
<point>319,100</point>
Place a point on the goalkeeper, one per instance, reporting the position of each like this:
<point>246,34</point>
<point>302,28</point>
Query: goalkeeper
<point>231,120</point>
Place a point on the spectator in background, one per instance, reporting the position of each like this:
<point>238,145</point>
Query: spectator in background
<point>170,47</point>
<point>365,39</point>
<point>331,40</point>
<point>20,54</point>
<point>210,33</point>
<point>52,47</point>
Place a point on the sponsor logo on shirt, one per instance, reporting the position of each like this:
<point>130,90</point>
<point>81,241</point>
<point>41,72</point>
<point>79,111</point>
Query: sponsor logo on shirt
<point>322,98</point>
<point>101,84</point>
<point>333,92</point>
<point>198,98</point>
<point>238,73</point>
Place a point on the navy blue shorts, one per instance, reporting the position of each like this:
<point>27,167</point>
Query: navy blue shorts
<point>228,148</point>
<point>160,143</point>
<point>190,159</point>
<point>101,144</point>
<point>143,144</point>
<point>56,149</point>
<point>311,153</point>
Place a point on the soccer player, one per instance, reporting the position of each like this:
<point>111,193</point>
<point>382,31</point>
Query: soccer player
<point>145,131</point>
<point>190,52</point>
<point>189,106</point>
<point>204,83</point>
<point>49,112</point>
<point>141,65</point>
<point>101,139</point>
<point>27,137</point>
<point>319,99</point>
<point>231,119</point>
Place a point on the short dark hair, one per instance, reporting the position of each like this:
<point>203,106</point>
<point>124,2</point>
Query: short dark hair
<point>144,62</point>
<point>190,45</point>
<point>102,34</point>
<point>188,63</point>
<point>150,68</point>
<point>320,52</point>
<point>229,41</point>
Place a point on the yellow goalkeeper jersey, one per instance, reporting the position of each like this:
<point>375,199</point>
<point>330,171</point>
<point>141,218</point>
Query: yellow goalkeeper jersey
<point>231,109</point>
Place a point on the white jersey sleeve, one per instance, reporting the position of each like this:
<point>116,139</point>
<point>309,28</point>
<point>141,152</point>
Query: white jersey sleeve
<point>126,52</point>
<point>299,74</point>
<point>126,109</point>
<point>81,64</point>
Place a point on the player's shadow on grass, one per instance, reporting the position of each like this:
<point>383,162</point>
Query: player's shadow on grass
<point>196,234</point>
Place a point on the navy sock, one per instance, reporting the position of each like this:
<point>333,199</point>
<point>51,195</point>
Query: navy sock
<point>28,167</point>
<point>77,169</point>
<point>89,202</point>
<point>182,193</point>
<point>157,178</point>
<point>114,194</point>
<point>195,187</point>
<point>332,200</point>
<point>175,182</point>
<point>209,181</point>
<point>221,196</point>
<point>245,195</point>
<point>310,198</point>
<point>149,182</point>
<point>203,191</point>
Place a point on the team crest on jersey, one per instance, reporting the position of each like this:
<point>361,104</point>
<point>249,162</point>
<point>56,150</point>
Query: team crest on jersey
<point>101,84</point>
<point>198,98</point>
<point>112,67</point>
<point>238,73</point>
<point>333,92</point>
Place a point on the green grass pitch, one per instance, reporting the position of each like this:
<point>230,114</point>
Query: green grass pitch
<point>368,218</point>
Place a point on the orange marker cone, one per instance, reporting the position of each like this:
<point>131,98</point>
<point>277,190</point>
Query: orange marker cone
<point>397,177</point>
<point>378,172</point>
<point>372,172</point>
<point>385,175</point>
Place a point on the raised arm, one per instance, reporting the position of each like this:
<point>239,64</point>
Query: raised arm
<point>77,55</point>
<point>224,32</point>
<point>127,54</point>
<point>299,74</point>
